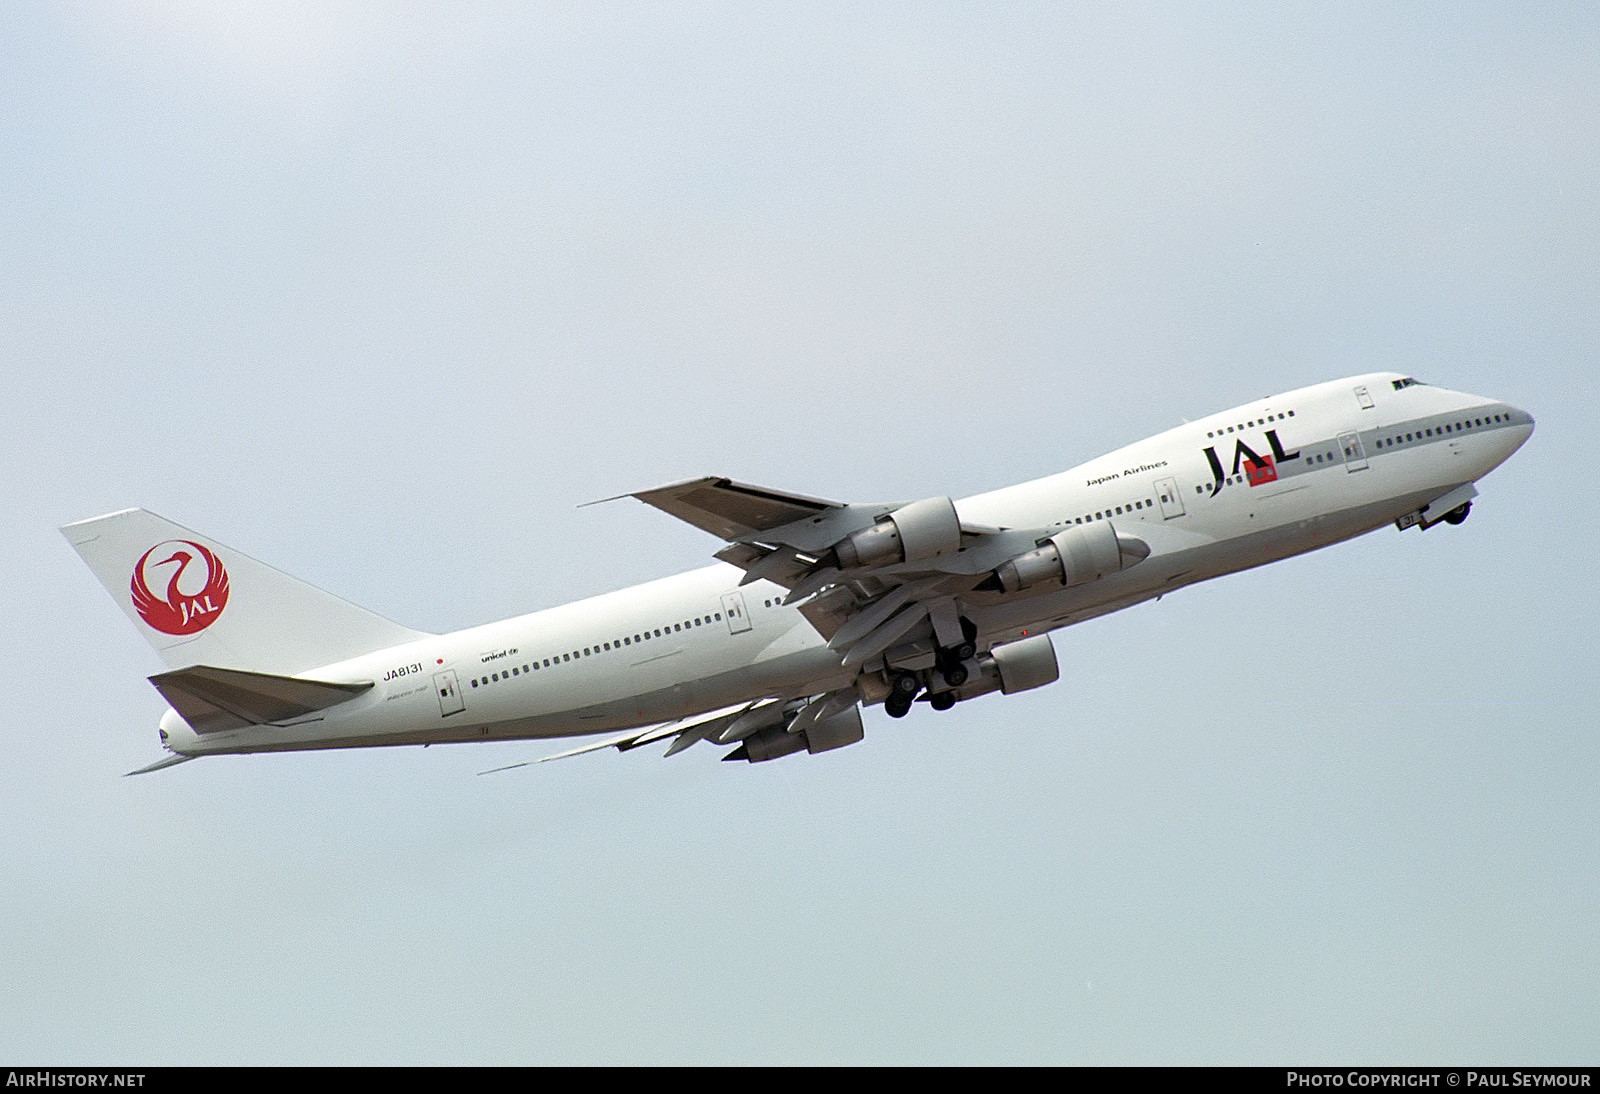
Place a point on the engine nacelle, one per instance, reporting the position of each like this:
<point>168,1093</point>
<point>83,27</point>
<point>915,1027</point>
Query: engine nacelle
<point>842,729</point>
<point>1013,667</point>
<point>1030,663</point>
<point>922,530</point>
<point>1074,556</point>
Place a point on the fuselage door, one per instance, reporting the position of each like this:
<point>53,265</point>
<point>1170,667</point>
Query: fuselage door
<point>450,700</point>
<point>733,611</point>
<point>1355,457</point>
<point>1171,500</point>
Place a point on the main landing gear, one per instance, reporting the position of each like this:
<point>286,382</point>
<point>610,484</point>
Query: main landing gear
<point>902,693</point>
<point>950,667</point>
<point>1458,514</point>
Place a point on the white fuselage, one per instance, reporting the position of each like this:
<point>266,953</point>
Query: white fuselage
<point>699,641</point>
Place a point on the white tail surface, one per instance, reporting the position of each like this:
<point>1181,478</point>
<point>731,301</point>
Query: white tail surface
<point>198,602</point>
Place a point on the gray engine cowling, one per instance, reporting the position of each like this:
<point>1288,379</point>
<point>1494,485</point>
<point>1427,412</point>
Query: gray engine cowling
<point>773,742</point>
<point>922,530</point>
<point>1073,556</point>
<point>1030,663</point>
<point>1013,667</point>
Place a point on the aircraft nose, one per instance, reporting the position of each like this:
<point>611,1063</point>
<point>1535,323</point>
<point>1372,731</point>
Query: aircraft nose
<point>1523,422</point>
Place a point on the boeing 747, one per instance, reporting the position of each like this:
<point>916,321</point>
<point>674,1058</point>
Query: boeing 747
<point>815,609</point>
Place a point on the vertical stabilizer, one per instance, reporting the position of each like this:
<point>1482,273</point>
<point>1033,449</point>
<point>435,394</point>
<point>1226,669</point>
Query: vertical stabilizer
<point>198,602</point>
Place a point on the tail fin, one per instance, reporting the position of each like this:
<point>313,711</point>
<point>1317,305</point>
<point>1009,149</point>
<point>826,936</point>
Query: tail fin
<point>197,601</point>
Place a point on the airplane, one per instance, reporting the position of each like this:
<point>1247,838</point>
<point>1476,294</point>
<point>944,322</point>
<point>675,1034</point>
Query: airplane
<point>815,609</point>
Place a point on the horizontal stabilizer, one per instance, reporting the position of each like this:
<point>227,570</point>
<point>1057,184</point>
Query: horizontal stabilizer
<point>212,699</point>
<point>170,761</point>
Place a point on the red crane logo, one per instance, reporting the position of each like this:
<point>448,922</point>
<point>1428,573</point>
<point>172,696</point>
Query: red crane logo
<point>180,612</point>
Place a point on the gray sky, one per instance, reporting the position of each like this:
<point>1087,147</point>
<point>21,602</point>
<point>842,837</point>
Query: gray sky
<point>379,294</point>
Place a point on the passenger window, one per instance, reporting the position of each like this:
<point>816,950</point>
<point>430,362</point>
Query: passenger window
<point>474,683</point>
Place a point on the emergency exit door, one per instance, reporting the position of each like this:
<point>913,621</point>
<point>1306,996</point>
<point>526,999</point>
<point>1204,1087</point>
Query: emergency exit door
<point>1355,456</point>
<point>733,611</point>
<point>449,692</point>
<point>1171,501</point>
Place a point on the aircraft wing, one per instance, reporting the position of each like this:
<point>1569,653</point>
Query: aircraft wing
<point>905,573</point>
<point>713,725</point>
<point>732,509</point>
<point>887,577</point>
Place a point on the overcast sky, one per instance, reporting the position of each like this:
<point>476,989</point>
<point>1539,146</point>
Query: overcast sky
<point>380,294</point>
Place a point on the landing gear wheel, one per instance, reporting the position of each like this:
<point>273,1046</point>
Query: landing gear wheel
<point>963,652</point>
<point>956,675</point>
<point>902,693</point>
<point>941,700</point>
<point>1458,514</point>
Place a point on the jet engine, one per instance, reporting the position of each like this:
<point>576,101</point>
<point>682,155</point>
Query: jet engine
<point>842,729</point>
<point>922,530</point>
<point>1074,556</point>
<point>1010,668</point>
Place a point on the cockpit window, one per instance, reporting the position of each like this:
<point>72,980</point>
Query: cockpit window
<point>1407,382</point>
